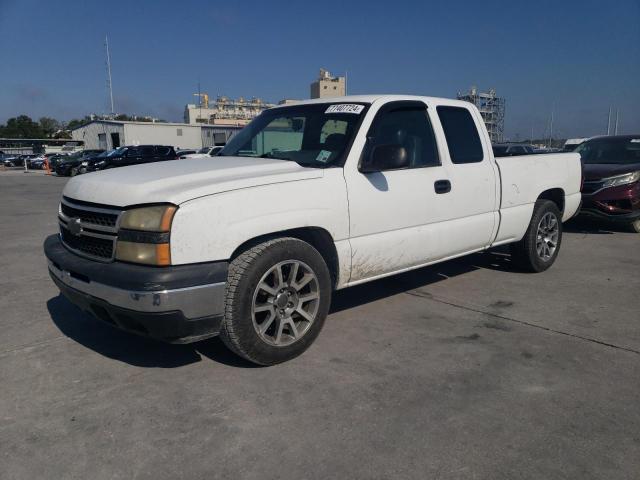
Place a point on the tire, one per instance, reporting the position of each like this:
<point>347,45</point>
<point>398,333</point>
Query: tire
<point>635,226</point>
<point>73,172</point>
<point>534,253</point>
<point>264,321</point>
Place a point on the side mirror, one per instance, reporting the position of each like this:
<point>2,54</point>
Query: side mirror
<point>385,157</point>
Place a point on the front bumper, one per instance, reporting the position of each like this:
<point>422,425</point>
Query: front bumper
<point>620,219</point>
<point>178,304</point>
<point>63,170</point>
<point>614,204</point>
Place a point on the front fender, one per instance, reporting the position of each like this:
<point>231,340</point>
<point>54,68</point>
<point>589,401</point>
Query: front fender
<point>211,228</point>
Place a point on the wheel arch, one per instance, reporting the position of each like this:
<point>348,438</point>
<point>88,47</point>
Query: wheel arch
<point>317,237</point>
<point>556,195</point>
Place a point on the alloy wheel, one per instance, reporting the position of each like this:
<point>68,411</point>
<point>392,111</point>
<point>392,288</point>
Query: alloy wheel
<point>547,236</point>
<point>285,303</point>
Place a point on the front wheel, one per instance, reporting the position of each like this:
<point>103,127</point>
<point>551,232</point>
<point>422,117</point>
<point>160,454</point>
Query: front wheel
<point>635,226</point>
<point>540,245</point>
<point>277,298</point>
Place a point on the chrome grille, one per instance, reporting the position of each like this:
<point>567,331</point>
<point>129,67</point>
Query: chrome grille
<point>92,217</point>
<point>96,228</point>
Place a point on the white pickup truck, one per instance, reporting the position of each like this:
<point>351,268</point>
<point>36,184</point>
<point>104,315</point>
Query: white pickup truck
<point>306,199</point>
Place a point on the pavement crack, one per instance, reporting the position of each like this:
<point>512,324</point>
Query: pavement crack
<point>428,296</point>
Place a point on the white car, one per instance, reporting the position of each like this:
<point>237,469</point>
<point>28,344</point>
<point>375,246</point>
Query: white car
<point>204,152</point>
<point>305,200</point>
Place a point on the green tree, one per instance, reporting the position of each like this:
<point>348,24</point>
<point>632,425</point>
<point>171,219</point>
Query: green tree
<point>75,123</point>
<point>21,126</point>
<point>49,126</point>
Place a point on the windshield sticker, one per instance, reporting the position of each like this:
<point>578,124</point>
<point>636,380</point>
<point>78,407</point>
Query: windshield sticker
<point>323,156</point>
<point>345,108</point>
<point>635,140</point>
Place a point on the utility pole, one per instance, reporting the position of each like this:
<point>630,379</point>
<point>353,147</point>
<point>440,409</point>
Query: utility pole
<point>615,130</point>
<point>531,141</point>
<point>346,77</point>
<point>609,122</point>
<point>109,86</point>
<point>551,125</point>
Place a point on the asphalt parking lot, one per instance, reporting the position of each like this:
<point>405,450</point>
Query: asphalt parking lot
<point>467,369</point>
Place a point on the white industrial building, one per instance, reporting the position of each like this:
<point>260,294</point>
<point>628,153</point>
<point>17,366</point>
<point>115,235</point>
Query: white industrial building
<point>224,111</point>
<point>109,134</point>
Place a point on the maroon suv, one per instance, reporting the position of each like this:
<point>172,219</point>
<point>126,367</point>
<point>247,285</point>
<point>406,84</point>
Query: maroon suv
<point>611,169</point>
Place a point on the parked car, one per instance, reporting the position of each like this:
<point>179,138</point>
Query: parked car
<point>611,189</point>
<point>342,192</point>
<point>512,149</point>
<point>76,163</point>
<point>67,166</point>
<point>572,143</point>
<point>205,152</point>
<point>9,160</point>
<point>54,158</point>
<point>28,158</point>
<point>37,163</point>
<point>133,155</point>
<point>182,152</point>
<point>17,160</point>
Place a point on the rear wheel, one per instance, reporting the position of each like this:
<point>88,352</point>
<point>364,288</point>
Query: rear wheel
<point>635,226</point>
<point>540,245</point>
<point>277,298</point>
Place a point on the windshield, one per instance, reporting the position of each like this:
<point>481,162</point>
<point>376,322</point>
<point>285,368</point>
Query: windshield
<point>610,150</point>
<point>314,135</point>
<point>116,152</point>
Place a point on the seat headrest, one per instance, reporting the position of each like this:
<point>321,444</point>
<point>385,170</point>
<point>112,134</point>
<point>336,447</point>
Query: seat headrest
<point>334,142</point>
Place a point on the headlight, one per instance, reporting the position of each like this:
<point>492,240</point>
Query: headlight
<point>149,219</point>
<point>621,179</point>
<point>144,235</point>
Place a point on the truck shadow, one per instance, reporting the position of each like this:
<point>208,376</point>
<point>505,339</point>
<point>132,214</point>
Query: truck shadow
<point>496,259</point>
<point>144,352</point>
<point>132,349</point>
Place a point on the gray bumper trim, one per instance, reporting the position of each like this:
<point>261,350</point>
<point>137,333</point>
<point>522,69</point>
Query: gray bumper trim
<point>194,302</point>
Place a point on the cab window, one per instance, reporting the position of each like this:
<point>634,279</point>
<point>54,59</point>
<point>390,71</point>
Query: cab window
<point>461,133</point>
<point>405,124</point>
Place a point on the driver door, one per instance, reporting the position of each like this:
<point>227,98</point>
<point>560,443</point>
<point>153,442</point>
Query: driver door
<point>408,217</point>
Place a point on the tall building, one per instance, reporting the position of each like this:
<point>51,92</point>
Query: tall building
<point>224,111</point>
<point>491,108</point>
<point>328,86</point>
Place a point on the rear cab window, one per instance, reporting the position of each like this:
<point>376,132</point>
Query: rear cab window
<point>461,133</point>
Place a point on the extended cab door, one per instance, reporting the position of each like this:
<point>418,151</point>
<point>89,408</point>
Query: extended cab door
<point>401,219</point>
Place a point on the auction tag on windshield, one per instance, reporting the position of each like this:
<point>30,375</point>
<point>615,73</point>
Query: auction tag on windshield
<point>345,108</point>
<point>635,140</point>
<point>323,156</point>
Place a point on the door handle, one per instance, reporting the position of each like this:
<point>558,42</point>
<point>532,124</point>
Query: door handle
<point>442,186</point>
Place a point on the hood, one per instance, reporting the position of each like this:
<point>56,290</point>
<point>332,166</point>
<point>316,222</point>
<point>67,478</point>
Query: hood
<point>598,171</point>
<point>178,181</point>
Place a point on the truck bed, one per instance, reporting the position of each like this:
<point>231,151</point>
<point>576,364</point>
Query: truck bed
<point>524,177</point>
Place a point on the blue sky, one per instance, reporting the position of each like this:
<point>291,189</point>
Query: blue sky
<point>581,56</point>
